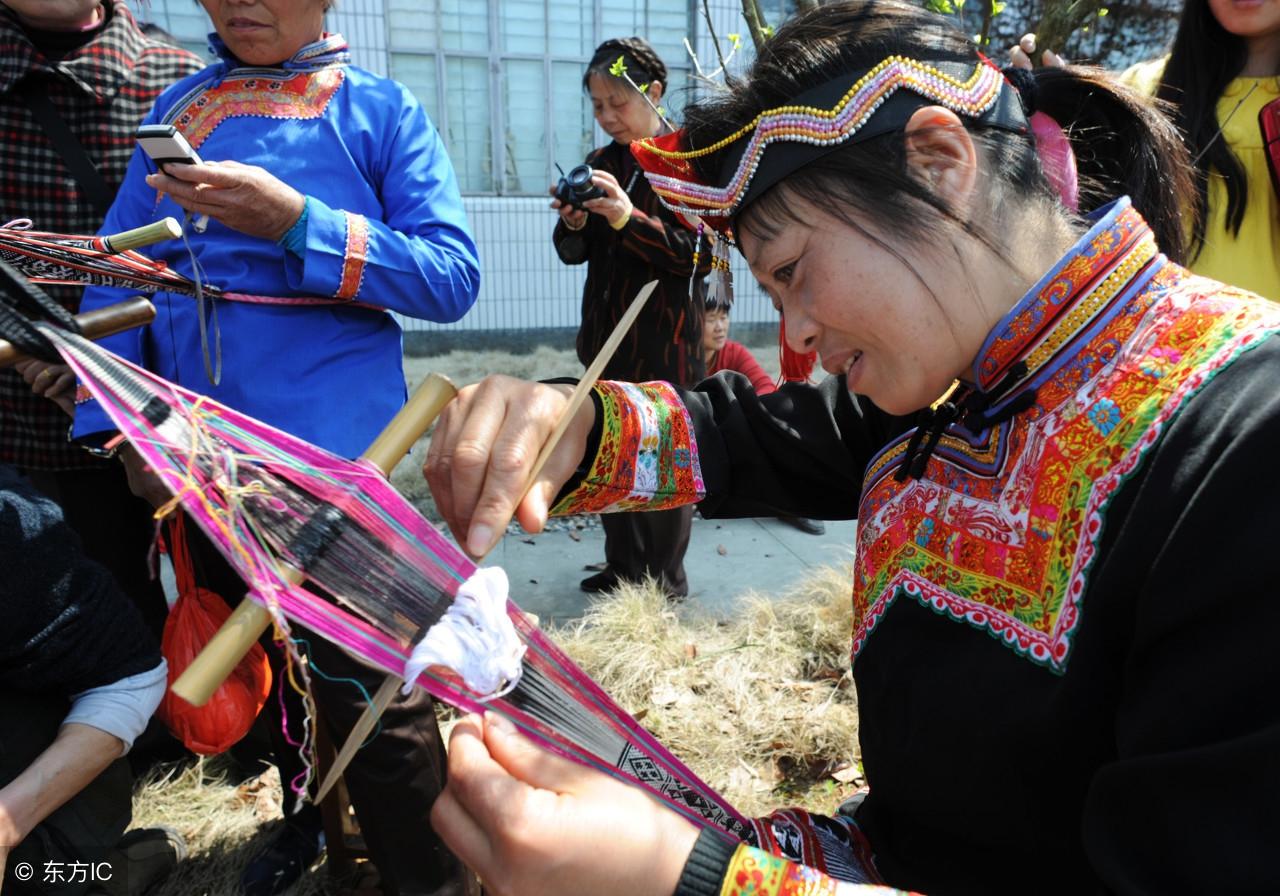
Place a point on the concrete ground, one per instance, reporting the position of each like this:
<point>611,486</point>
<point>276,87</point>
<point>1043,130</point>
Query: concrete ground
<point>726,559</point>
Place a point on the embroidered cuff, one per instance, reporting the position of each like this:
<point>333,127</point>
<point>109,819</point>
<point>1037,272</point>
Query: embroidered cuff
<point>355,255</point>
<point>647,458</point>
<point>295,238</point>
<point>705,869</point>
<point>593,447</point>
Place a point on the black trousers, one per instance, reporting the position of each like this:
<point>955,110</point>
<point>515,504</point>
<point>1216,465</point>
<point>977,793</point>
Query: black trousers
<point>649,543</point>
<point>116,528</point>
<point>393,780</point>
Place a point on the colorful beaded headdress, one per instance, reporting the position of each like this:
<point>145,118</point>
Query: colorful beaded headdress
<point>853,107</point>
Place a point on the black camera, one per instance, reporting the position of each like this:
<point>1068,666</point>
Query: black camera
<point>576,187</point>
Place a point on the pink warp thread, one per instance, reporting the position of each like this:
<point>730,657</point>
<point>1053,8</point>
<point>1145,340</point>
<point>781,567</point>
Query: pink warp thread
<point>1056,158</point>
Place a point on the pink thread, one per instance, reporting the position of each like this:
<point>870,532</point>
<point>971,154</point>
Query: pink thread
<point>298,784</point>
<point>1056,158</point>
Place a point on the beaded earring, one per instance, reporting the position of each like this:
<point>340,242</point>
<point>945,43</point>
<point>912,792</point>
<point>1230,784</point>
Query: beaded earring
<point>697,256</point>
<point>720,281</point>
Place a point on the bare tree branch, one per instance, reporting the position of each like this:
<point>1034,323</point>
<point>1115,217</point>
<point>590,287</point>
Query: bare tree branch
<point>1062,19</point>
<point>711,30</point>
<point>755,22</point>
<point>988,12</point>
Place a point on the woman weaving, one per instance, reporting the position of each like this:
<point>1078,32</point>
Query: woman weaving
<point>1063,637</point>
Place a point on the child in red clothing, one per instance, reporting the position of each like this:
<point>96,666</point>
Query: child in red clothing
<point>722,353</point>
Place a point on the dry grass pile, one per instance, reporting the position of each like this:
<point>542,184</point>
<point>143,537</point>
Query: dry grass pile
<point>225,826</point>
<point>761,708</point>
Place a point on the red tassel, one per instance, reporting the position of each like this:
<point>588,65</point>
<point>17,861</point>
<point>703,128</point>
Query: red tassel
<point>796,367</point>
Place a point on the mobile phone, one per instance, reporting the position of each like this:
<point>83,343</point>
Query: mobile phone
<point>166,146</point>
<point>1269,122</point>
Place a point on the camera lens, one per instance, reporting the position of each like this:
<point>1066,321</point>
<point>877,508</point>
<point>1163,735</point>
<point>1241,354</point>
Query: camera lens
<point>579,177</point>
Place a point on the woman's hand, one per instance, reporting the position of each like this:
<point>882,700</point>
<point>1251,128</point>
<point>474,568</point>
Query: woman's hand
<point>483,451</point>
<point>573,218</point>
<point>615,205</point>
<point>55,382</point>
<point>1020,54</point>
<point>246,198</point>
<point>532,823</point>
<point>143,481</point>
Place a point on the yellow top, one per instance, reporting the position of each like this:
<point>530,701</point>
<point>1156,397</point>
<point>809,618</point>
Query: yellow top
<point>1251,258</point>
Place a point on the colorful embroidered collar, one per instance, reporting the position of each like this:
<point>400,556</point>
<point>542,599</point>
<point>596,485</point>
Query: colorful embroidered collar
<point>1004,526</point>
<point>1074,299</point>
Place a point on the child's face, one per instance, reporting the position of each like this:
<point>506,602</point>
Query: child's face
<point>715,330</point>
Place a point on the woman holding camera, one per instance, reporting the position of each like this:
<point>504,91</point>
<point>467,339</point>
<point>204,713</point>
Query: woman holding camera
<point>627,238</point>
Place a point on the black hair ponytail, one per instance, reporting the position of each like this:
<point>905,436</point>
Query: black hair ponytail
<point>1124,145</point>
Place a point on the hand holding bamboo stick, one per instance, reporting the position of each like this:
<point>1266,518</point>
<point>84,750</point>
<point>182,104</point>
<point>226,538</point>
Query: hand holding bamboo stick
<point>478,465</point>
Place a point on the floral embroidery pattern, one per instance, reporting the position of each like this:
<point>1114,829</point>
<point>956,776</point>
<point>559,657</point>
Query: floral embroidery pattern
<point>354,256</point>
<point>287,95</point>
<point>647,459</point>
<point>753,872</point>
<point>1063,290</point>
<point>1009,553</point>
<point>1105,415</point>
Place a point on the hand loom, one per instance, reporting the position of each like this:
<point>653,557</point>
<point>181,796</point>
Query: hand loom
<point>282,510</point>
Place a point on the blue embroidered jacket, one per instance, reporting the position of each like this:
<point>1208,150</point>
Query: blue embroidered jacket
<point>385,229</point>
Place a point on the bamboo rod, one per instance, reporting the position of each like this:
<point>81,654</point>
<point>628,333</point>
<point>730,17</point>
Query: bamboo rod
<point>134,312</point>
<point>157,232</point>
<point>249,620</point>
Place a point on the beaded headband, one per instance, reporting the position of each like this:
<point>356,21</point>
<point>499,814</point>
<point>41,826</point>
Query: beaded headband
<point>853,107</point>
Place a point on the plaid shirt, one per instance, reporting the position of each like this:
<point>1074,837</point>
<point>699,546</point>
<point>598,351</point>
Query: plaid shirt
<point>102,90</point>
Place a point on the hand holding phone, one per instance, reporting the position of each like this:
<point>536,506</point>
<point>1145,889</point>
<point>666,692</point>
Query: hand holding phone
<point>166,146</point>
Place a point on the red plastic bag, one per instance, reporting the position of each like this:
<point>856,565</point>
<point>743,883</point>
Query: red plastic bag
<point>195,617</point>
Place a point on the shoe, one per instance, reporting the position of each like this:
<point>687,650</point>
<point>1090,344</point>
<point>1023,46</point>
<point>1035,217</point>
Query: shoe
<point>273,871</point>
<point>150,854</point>
<point>804,524</point>
<point>601,581</point>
